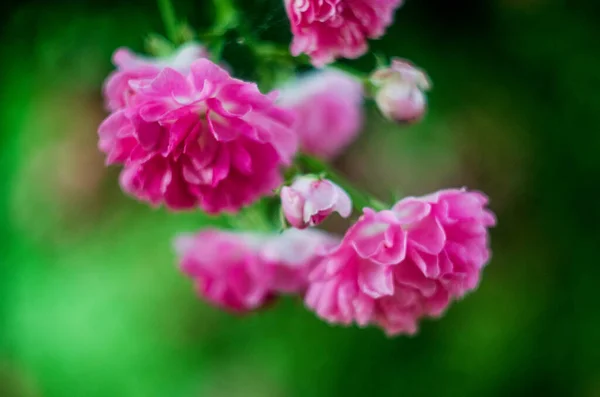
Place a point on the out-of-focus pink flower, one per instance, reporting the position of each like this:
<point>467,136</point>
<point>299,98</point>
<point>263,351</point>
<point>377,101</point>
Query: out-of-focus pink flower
<point>202,139</point>
<point>309,200</point>
<point>226,270</point>
<point>328,108</point>
<point>131,67</point>
<point>401,91</point>
<point>242,272</point>
<point>397,266</point>
<point>331,29</point>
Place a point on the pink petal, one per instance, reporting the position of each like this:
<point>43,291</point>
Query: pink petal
<point>151,136</point>
<point>228,110</point>
<point>207,76</point>
<point>375,280</point>
<point>242,160</point>
<point>154,111</point>
<point>411,210</point>
<point>180,130</point>
<point>363,309</point>
<point>320,197</point>
<point>292,205</point>
<point>343,204</point>
<point>428,236</point>
<point>222,129</point>
<point>428,264</point>
<point>409,275</point>
<point>170,82</point>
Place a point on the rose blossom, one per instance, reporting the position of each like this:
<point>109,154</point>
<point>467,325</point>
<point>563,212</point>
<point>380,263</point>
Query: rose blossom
<point>226,270</point>
<point>331,29</point>
<point>397,266</point>
<point>242,272</point>
<point>309,200</point>
<point>328,109</point>
<point>201,139</point>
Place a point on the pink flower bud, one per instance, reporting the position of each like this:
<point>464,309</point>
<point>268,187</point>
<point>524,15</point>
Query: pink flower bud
<point>401,91</point>
<point>309,200</point>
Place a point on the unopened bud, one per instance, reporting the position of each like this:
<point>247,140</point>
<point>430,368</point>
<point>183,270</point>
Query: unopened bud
<point>309,200</point>
<point>400,91</point>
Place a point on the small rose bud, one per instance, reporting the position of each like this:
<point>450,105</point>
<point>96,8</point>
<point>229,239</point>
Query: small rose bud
<point>401,90</point>
<point>309,200</point>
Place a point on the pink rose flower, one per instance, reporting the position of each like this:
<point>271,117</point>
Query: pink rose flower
<point>401,91</point>
<point>241,272</point>
<point>131,67</point>
<point>226,270</point>
<point>309,200</point>
<point>330,29</point>
<point>397,266</point>
<point>201,139</point>
<point>328,108</point>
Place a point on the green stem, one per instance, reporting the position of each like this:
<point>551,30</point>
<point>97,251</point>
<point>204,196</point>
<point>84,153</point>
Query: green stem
<point>167,11</point>
<point>274,51</point>
<point>350,70</point>
<point>359,198</point>
<point>303,60</point>
<point>226,16</point>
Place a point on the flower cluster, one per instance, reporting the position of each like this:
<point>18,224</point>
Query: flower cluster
<point>189,135</point>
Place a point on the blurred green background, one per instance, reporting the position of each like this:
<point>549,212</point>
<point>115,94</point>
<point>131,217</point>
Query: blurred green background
<point>91,303</point>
